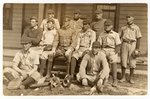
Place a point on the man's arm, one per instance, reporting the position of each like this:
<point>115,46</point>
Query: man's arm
<point>16,62</point>
<point>35,41</point>
<point>55,42</point>
<point>57,25</point>
<point>93,38</point>
<point>105,71</point>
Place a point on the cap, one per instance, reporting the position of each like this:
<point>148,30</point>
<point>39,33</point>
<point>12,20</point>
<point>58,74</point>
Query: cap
<point>77,11</point>
<point>129,15</point>
<point>96,44</point>
<point>34,18</point>
<point>108,22</point>
<point>98,11</point>
<point>25,41</point>
<point>51,20</point>
<point>85,22</point>
<point>68,16</point>
<point>51,11</point>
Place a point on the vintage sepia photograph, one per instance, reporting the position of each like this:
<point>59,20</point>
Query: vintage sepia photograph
<point>52,49</point>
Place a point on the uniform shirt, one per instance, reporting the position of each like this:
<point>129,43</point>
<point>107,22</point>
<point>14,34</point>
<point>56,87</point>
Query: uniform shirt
<point>67,38</point>
<point>98,26</point>
<point>48,36</point>
<point>33,34</point>
<point>110,39</point>
<point>44,24</point>
<point>131,32</point>
<point>77,25</point>
<point>86,38</point>
<point>26,61</point>
<point>94,65</point>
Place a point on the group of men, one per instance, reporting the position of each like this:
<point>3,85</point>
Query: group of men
<point>94,42</point>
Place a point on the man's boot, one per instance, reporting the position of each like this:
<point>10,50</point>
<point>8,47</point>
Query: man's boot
<point>9,76</point>
<point>27,82</point>
<point>49,68</point>
<point>131,76</point>
<point>42,66</point>
<point>73,66</point>
<point>114,74</point>
<point>123,79</point>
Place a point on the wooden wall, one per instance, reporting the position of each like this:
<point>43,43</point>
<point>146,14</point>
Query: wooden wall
<point>140,13</point>
<point>11,38</point>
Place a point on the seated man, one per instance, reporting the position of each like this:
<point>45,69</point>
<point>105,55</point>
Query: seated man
<point>94,68</point>
<point>66,44</point>
<point>48,45</point>
<point>33,33</point>
<point>85,39</point>
<point>25,64</point>
<point>111,42</point>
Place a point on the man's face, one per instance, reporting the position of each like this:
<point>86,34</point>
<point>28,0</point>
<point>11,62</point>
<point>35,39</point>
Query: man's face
<point>99,15</point>
<point>95,50</point>
<point>50,15</point>
<point>26,46</point>
<point>85,26</point>
<point>50,25</point>
<point>76,15</point>
<point>108,28</point>
<point>129,20</point>
<point>33,23</point>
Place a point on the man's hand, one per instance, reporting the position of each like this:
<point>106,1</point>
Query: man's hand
<point>52,52</point>
<point>68,52</point>
<point>117,49</point>
<point>24,74</point>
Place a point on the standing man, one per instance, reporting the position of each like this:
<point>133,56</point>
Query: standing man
<point>130,35</point>
<point>77,21</point>
<point>25,64</point>
<point>94,68</point>
<point>85,39</point>
<point>66,45</point>
<point>110,42</point>
<point>33,33</point>
<point>98,24</point>
<point>51,15</point>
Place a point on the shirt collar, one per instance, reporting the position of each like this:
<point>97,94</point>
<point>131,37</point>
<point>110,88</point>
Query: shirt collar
<point>110,32</point>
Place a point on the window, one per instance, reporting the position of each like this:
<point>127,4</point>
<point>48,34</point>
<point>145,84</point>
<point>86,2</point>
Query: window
<point>110,11</point>
<point>7,16</point>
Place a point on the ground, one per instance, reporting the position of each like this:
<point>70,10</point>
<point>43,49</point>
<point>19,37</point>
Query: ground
<point>125,88</point>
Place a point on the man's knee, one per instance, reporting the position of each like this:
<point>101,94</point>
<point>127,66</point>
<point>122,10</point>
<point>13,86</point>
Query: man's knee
<point>50,57</point>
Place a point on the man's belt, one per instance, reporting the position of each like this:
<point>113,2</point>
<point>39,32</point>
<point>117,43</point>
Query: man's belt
<point>106,46</point>
<point>128,41</point>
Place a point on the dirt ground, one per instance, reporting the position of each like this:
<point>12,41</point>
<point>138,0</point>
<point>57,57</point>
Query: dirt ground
<point>125,88</point>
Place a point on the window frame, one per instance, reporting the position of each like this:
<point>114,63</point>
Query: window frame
<point>9,25</point>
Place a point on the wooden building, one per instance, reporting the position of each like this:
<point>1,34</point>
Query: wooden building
<point>16,18</point>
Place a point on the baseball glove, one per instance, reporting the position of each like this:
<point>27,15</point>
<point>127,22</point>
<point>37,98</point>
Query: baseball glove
<point>14,84</point>
<point>67,81</point>
<point>48,48</point>
<point>135,53</point>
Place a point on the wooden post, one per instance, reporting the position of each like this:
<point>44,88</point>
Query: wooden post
<point>40,13</point>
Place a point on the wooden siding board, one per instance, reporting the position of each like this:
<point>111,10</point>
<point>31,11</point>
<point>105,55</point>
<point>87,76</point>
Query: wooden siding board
<point>11,38</point>
<point>140,13</point>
